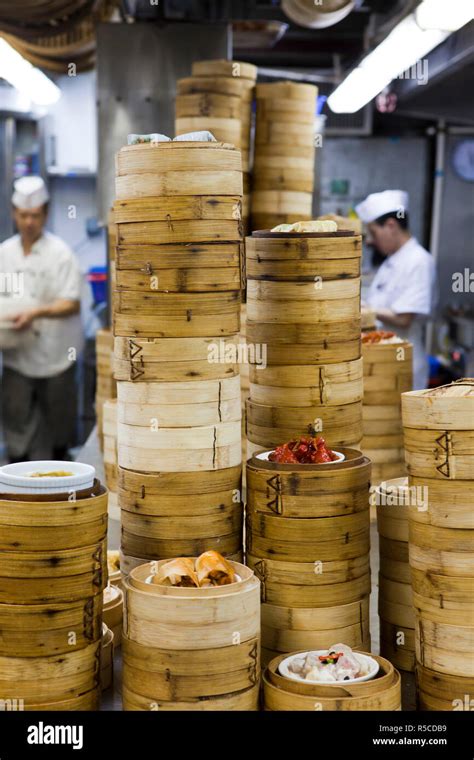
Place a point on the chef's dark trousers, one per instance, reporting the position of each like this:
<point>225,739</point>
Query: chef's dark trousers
<point>38,415</point>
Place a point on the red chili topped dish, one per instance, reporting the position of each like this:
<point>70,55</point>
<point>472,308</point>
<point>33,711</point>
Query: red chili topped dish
<point>377,336</point>
<point>303,450</point>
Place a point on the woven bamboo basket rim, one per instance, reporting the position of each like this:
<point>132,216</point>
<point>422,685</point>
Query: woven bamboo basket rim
<point>136,581</point>
<point>86,494</point>
<point>353,458</point>
<point>293,235</point>
<point>385,677</point>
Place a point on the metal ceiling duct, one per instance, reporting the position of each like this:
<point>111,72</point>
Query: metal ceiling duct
<point>315,15</point>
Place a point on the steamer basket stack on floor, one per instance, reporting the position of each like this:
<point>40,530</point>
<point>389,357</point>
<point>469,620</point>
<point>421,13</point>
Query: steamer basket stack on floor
<point>395,603</point>
<point>191,648</point>
<point>303,304</point>
<point>53,569</point>
<point>178,299</point>
<point>380,693</point>
<point>439,448</point>
<point>283,171</point>
<point>388,372</point>
<point>308,541</point>
<point>218,97</point>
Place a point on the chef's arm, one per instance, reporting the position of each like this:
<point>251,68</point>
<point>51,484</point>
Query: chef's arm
<point>61,307</point>
<point>388,317</point>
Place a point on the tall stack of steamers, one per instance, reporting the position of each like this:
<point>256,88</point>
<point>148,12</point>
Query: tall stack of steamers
<point>177,305</point>
<point>439,449</point>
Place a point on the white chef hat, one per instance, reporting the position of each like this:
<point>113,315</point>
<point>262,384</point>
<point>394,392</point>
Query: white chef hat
<point>378,204</point>
<point>29,192</point>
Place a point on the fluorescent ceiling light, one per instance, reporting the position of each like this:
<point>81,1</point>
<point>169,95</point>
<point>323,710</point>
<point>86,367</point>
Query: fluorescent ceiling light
<point>405,46</point>
<point>27,79</point>
<point>447,16</point>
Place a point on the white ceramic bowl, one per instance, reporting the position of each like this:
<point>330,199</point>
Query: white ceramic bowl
<point>371,664</point>
<point>16,478</point>
<point>340,457</point>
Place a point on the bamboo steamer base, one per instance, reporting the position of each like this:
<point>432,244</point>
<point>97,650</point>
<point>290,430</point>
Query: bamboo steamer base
<point>441,691</point>
<point>380,693</point>
<point>445,648</point>
<point>402,656</point>
<point>247,700</point>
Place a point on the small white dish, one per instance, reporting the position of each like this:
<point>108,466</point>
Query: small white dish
<point>370,664</point>
<point>265,454</point>
<point>18,477</point>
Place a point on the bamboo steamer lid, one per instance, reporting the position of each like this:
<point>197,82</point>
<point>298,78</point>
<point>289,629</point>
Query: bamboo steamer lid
<point>38,630</point>
<point>449,407</point>
<point>169,617</point>
<point>224,68</point>
<point>29,577</point>
<point>380,693</point>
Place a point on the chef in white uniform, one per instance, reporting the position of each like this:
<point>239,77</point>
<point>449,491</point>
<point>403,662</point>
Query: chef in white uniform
<point>402,292</point>
<point>38,392</point>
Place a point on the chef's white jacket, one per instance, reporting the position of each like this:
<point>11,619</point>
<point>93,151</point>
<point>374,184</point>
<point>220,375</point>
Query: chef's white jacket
<point>50,271</point>
<point>406,284</point>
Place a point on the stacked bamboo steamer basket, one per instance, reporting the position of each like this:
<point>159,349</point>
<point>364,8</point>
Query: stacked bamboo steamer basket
<point>395,604</point>
<point>53,569</point>
<point>191,648</point>
<point>303,305</point>
<point>177,314</point>
<point>284,694</point>
<point>283,171</point>
<point>388,372</point>
<point>439,448</point>
<point>218,97</point>
<point>307,539</point>
<point>105,383</point>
